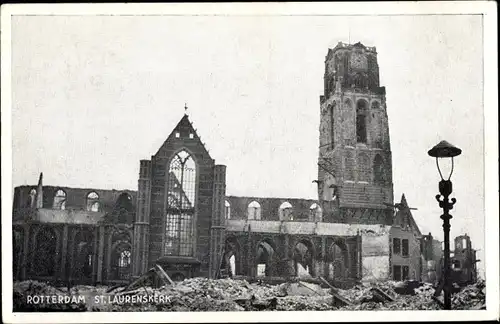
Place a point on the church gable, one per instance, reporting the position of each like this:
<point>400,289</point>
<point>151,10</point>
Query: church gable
<point>184,136</point>
<point>404,218</point>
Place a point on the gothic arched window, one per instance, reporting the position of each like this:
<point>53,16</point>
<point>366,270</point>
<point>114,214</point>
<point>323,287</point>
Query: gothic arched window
<point>33,198</point>
<point>59,200</point>
<point>93,201</point>
<point>285,211</point>
<point>253,210</point>
<point>227,209</point>
<point>361,119</point>
<point>315,213</point>
<point>180,205</point>
<point>121,257</point>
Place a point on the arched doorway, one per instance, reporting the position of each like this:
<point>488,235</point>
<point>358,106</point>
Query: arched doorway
<point>265,254</point>
<point>231,259</point>
<point>337,265</point>
<point>303,257</point>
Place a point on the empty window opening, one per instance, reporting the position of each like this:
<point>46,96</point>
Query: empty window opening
<point>406,248</point>
<point>32,198</point>
<point>227,209</point>
<point>396,273</point>
<point>177,134</point>
<point>315,213</point>
<point>191,135</point>
<point>285,211</point>
<point>59,200</point>
<point>95,207</point>
<point>332,125</point>
<point>330,191</point>
<point>254,210</point>
<point>406,273</point>
<point>93,201</point>
<point>456,265</point>
<point>396,246</point>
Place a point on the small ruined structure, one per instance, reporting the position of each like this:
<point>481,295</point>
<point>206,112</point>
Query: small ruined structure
<point>182,219</point>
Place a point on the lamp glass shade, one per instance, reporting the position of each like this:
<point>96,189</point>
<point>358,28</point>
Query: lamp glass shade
<point>444,150</point>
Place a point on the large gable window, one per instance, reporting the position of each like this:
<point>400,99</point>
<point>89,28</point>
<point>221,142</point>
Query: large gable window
<point>180,205</point>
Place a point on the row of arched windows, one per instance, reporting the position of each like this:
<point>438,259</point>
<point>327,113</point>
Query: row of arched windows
<point>285,211</point>
<point>60,197</point>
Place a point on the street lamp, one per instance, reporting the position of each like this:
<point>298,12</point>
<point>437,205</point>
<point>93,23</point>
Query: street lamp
<point>444,150</point>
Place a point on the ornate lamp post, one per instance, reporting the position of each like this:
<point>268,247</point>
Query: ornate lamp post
<point>441,151</point>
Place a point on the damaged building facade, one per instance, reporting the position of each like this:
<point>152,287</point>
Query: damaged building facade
<point>182,218</point>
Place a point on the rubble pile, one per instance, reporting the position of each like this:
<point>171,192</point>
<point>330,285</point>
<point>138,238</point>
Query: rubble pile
<point>202,294</point>
<point>471,297</point>
<point>298,303</point>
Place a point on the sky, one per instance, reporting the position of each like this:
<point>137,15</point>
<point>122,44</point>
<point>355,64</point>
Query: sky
<point>93,95</point>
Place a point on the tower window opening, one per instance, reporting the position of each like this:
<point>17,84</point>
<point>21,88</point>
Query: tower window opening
<point>361,114</point>
<point>227,209</point>
<point>332,125</point>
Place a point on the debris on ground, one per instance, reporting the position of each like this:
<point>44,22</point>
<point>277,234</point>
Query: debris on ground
<point>203,294</point>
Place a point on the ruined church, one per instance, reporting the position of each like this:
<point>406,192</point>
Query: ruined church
<point>182,218</point>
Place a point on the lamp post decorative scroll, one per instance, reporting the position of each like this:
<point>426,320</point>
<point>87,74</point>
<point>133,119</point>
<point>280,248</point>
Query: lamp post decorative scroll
<point>445,150</point>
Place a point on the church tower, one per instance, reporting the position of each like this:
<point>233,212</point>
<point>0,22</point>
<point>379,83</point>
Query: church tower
<point>354,165</point>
